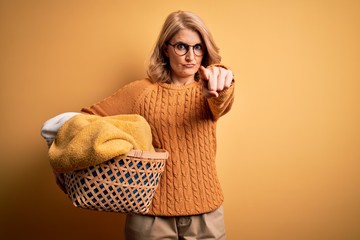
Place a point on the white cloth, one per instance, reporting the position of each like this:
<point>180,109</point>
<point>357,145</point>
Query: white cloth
<point>52,126</point>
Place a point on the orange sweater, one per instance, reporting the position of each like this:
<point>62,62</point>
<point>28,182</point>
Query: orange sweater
<point>183,122</point>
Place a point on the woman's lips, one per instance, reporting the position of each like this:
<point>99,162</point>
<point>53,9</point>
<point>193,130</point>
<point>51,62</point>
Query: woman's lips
<point>189,65</point>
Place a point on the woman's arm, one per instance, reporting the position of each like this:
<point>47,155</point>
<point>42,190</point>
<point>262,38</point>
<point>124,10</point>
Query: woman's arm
<point>222,104</point>
<point>120,102</point>
<point>218,82</point>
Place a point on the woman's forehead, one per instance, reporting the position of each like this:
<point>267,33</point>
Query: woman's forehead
<point>187,36</point>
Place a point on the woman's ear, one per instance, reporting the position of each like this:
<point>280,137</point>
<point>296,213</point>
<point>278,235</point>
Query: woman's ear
<point>166,50</point>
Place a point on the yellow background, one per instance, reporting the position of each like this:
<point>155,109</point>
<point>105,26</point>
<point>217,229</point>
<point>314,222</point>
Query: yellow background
<point>288,152</point>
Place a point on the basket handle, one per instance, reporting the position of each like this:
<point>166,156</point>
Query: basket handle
<point>159,154</point>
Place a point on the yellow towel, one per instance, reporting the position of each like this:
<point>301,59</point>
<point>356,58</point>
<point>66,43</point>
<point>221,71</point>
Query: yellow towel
<point>87,140</point>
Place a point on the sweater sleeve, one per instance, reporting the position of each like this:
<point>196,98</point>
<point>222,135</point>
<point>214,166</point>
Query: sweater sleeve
<point>122,101</point>
<point>222,104</point>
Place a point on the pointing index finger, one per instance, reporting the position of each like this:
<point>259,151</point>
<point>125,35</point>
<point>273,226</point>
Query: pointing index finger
<point>204,73</point>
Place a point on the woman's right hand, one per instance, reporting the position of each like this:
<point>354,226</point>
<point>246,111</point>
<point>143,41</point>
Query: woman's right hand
<point>215,79</point>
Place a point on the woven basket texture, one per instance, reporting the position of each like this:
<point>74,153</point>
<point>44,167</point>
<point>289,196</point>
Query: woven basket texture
<point>124,184</point>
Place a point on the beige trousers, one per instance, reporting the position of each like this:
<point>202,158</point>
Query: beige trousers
<point>204,226</point>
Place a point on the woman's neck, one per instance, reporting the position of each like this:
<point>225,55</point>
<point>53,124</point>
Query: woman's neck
<point>182,81</point>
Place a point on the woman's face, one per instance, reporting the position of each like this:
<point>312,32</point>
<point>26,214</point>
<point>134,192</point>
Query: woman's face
<point>183,68</point>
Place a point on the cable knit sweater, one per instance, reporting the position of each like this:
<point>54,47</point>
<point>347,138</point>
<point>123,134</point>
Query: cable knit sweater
<point>183,122</point>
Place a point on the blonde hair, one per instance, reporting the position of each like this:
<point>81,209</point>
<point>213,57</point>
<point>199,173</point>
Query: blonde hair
<point>159,67</point>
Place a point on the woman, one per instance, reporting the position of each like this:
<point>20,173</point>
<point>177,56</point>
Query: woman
<point>186,92</point>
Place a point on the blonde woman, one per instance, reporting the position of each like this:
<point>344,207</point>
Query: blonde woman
<point>186,92</point>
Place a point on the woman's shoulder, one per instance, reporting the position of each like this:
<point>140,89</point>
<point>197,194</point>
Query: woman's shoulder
<point>139,85</point>
<point>123,100</point>
<point>136,89</point>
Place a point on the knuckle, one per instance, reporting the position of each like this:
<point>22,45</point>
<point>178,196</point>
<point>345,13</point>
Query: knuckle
<point>215,70</point>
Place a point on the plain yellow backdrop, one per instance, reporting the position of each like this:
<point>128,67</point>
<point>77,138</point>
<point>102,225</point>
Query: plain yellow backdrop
<point>288,152</point>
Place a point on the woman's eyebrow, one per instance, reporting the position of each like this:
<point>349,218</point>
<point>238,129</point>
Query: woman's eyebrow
<point>181,42</point>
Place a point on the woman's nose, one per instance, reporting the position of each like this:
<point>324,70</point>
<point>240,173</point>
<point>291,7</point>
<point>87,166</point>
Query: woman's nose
<point>190,54</point>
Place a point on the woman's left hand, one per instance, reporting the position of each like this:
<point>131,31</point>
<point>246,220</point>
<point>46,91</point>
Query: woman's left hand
<point>215,79</point>
<point>60,181</point>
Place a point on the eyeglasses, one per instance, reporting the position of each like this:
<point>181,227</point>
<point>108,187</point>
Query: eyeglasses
<point>182,48</point>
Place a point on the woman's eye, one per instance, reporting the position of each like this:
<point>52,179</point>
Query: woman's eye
<point>181,46</point>
<point>198,47</point>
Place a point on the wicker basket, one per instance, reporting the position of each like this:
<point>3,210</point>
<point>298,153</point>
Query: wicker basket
<point>124,185</point>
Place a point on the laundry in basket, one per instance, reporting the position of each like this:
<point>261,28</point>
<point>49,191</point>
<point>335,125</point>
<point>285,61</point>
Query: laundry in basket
<point>124,184</point>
